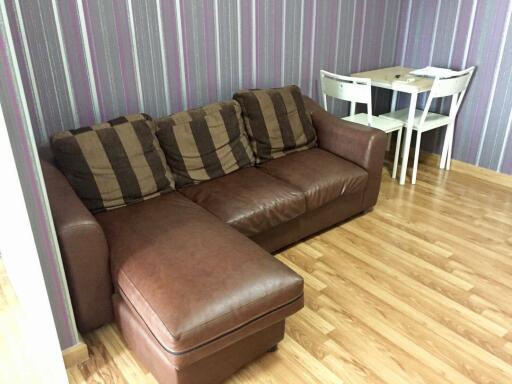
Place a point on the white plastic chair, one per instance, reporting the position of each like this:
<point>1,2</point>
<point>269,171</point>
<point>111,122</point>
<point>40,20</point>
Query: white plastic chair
<point>454,86</point>
<point>359,90</point>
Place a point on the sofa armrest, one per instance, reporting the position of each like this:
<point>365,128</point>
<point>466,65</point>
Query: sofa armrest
<point>84,251</point>
<point>354,142</point>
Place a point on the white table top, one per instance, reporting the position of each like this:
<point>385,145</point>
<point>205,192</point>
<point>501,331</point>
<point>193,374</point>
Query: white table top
<point>386,78</point>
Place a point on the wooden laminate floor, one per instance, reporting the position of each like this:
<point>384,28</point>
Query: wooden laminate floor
<point>417,291</point>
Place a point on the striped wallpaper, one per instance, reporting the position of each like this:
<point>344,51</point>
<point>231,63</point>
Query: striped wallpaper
<point>459,34</point>
<point>90,60</point>
<point>84,61</point>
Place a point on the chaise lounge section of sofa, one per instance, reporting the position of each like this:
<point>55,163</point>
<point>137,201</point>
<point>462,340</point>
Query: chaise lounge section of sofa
<point>187,275</point>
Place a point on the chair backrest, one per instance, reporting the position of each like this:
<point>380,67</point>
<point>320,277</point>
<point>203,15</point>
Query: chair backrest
<point>454,86</point>
<point>352,89</point>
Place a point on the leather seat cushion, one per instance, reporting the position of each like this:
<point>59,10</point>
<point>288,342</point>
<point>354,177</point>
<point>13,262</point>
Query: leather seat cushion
<point>319,174</point>
<point>249,200</point>
<point>190,277</point>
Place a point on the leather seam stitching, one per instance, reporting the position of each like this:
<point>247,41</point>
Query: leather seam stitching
<point>234,329</point>
<point>148,304</point>
<point>196,347</point>
<point>202,325</point>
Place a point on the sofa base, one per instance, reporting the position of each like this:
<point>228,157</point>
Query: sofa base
<point>311,222</point>
<point>213,368</point>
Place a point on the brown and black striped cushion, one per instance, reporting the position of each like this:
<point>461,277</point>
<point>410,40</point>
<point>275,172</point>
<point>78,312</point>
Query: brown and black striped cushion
<point>113,164</point>
<point>205,143</point>
<point>276,121</point>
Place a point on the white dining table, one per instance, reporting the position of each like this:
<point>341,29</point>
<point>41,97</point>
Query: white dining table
<point>398,79</point>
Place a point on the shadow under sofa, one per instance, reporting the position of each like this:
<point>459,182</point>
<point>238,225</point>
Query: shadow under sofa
<point>187,330</point>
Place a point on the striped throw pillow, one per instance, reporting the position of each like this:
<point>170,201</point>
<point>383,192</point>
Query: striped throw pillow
<point>205,143</point>
<point>113,164</point>
<point>276,121</point>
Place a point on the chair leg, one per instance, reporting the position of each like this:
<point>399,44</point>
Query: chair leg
<point>397,153</point>
<point>446,155</point>
<point>442,160</point>
<point>416,157</point>
<point>442,163</point>
<point>449,152</point>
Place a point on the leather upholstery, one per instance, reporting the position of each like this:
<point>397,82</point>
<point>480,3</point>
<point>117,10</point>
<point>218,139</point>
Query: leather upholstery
<point>192,278</point>
<point>319,174</point>
<point>84,252</point>
<point>213,368</point>
<point>310,223</point>
<point>282,236</point>
<point>354,142</point>
<point>249,200</point>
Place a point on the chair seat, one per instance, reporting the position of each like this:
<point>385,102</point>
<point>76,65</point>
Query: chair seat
<point>433,120</point>
<point>386,125</point>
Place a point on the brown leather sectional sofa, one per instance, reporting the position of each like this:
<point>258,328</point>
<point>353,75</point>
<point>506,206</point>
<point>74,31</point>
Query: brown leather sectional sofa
<point>188,275</point>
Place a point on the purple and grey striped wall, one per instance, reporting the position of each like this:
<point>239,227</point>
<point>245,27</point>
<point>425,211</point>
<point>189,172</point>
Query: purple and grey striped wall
<point>84,61</point>
<point>459,34</point>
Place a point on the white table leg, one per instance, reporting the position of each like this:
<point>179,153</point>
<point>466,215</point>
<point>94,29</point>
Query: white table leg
<point>393,108</point>
<point>397,153</point>
<point>393,101</point>
<point>408,134</point>
<point>416,157</point>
